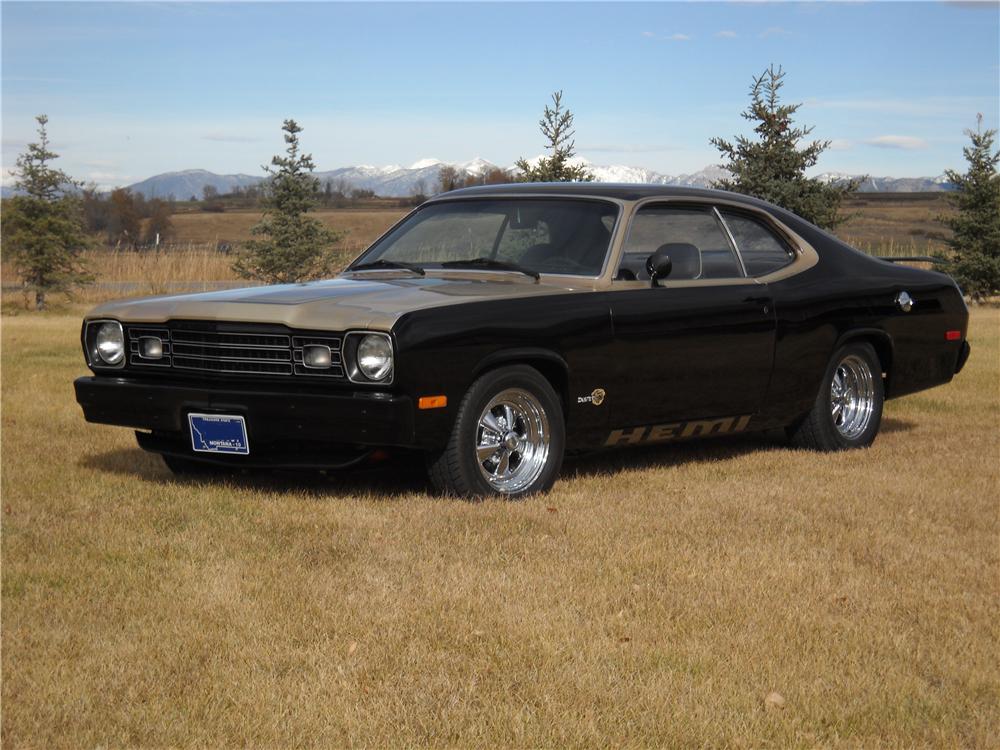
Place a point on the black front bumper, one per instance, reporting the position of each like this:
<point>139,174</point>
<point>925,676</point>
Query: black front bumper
<point>963,356</point>
<point>279,422</point>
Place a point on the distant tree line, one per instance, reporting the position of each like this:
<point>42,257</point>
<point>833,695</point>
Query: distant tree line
<point>125,219</point>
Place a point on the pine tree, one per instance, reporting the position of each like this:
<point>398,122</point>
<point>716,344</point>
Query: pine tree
<point>43,227</point>
<point>289,246</point>
<point>772,167</point>
<point>975,261</point>
<point>557,127</point>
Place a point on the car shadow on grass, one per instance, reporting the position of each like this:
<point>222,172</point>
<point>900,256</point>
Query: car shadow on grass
<point>396,475</point>
<point>403,474</point>
<point>894,424</point>
<point>666,455</point>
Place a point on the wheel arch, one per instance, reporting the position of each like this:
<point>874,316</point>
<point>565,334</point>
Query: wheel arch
<point>550,364</point>
<point>881,342</point>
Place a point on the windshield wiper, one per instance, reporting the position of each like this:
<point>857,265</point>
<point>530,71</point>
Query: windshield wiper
<point>382,263</point>
<point>499,265</point>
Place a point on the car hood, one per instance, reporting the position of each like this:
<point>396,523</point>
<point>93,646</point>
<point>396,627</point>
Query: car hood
<point>362,300</point>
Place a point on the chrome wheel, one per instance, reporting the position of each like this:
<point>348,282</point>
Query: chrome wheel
<point>512,440</point>
<point>852,396</point>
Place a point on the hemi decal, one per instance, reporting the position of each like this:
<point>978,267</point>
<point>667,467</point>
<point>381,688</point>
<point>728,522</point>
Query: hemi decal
<point>678,430</point>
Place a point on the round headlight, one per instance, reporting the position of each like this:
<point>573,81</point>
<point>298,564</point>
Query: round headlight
<point>375,357</point>
<point>110,343</point>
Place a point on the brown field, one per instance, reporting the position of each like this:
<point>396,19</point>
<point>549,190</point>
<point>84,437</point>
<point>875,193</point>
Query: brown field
<point>900,224</point>
<point>362,226</point>
<point>653,598</point>
<point>896,223</point>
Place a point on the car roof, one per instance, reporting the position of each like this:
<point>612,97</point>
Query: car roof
<point>620,191</point>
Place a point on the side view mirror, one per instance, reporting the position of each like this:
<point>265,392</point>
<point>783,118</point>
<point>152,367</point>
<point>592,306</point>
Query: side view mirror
<point>658,266</point>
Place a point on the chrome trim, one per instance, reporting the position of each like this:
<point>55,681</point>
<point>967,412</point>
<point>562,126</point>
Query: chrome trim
<point>805,258</point>
<point>352,367</point>
<point>732,239</point>
<point>905,301</point>
<point>86,344</point>
<point>241,352</point>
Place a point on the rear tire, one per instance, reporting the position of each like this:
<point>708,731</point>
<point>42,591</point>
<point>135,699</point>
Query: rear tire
<point>848,410</point>
<point>508,438</point>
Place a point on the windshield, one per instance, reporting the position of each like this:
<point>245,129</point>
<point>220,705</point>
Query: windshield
<point>533,236</point>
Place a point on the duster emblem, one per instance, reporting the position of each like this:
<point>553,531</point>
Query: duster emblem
<point>596,397</point>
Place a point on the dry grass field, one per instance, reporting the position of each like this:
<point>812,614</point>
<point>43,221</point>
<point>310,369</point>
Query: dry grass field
<point>361,225</point>
<point>653,598</point>
<point>896,223</point>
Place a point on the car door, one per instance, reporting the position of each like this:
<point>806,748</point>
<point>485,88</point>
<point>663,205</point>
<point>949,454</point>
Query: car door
<point>701,343</point>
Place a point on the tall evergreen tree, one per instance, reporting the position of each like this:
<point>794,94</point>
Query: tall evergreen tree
<point>975,261</point>
<point>557,127</point>
<point>43,227</point>
<point>288,245</point>
<point>773,166</point>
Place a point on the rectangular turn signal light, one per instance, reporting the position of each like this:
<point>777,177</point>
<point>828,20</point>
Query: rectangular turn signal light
<point>952,335</point>
<point>432,402</point>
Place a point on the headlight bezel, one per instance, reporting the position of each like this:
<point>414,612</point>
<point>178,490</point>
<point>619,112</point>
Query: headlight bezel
<point>352,344</point>
<point>91,349</point>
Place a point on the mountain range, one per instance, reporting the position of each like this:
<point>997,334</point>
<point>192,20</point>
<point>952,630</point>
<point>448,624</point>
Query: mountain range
<point>423,176</point>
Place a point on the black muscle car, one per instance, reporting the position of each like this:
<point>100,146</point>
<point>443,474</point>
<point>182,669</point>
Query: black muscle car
<point>496,329</point>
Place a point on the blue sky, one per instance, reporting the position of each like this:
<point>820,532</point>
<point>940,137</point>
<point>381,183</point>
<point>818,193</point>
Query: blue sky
<point>134,89</point>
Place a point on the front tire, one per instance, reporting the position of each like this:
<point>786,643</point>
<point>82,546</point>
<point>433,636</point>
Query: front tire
<point>848,410</point>
<point>508,439</point>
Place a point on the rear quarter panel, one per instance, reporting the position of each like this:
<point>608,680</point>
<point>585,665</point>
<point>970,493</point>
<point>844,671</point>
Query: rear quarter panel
<point>852,295</point>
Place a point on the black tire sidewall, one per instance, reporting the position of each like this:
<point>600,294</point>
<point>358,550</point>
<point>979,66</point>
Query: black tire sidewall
<point>833,435</point>
<point>479,395</point>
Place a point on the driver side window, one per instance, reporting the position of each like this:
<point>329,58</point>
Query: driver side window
<point>697,245</point>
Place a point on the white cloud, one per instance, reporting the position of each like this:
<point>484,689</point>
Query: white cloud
<point>841,144</point>
<point>726,34</point>
<point>679,37</point>
<point>906,142</point>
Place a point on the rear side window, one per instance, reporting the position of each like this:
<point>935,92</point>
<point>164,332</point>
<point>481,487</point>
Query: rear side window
<point>762,251</point>
<point>691,236</point>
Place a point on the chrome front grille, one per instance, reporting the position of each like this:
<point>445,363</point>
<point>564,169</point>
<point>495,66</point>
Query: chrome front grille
<point>243,353</point>
<point>234,350</point>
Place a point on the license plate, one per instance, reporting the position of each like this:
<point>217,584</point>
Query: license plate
<point>218,433</point>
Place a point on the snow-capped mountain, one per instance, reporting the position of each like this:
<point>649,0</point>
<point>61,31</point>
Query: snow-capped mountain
<point>891,184</point>
<point>423,177</point>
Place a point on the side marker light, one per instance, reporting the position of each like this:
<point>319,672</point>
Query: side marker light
<point>432,402</point>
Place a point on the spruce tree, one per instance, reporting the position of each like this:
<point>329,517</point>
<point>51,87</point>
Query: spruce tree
<point>773,166</point>
<point>288,245</point>
<point>975,261</point>
<point>557,127</point>
<point>43,226</point>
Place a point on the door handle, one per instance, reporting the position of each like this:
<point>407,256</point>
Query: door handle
<point>764,302</point>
